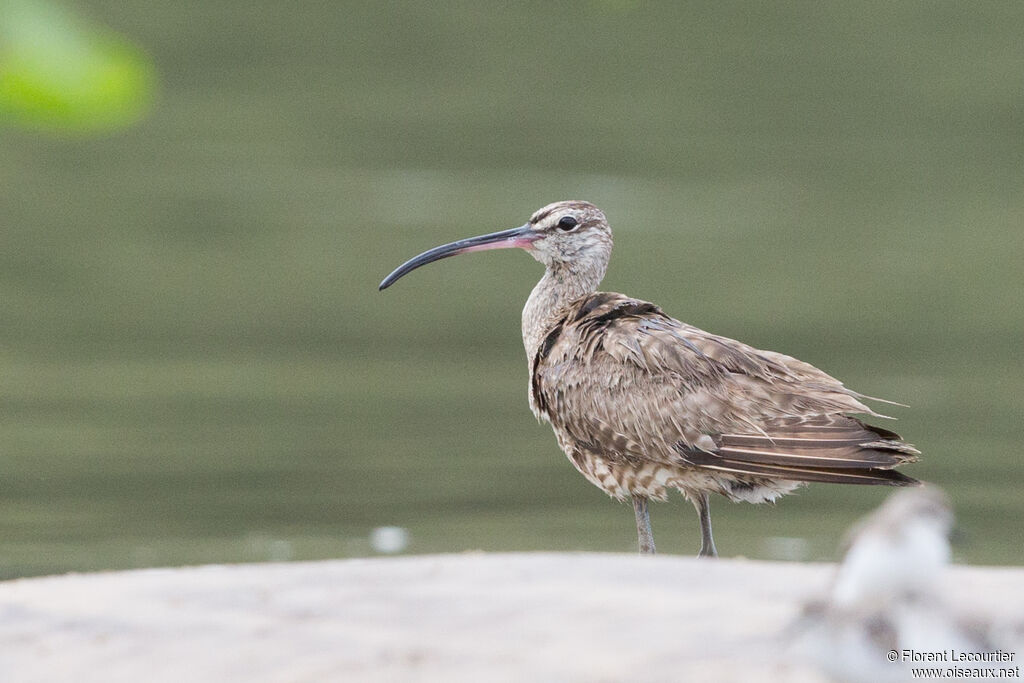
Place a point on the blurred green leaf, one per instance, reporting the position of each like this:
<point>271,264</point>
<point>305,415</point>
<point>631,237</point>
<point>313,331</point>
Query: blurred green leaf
<point>61,72</point>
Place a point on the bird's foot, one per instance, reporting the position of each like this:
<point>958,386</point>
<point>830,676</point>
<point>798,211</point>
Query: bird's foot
<point>708,551</point>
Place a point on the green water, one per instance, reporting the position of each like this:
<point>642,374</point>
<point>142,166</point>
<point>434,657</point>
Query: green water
<point>195,364</point>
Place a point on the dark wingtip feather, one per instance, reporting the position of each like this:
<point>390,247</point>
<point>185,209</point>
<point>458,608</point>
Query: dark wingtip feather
<point>830,475</point>
<point>886,434</point>
<point>900,479</point>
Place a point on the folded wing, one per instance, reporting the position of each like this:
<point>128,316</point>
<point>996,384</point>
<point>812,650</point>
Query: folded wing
<point>618,374</point>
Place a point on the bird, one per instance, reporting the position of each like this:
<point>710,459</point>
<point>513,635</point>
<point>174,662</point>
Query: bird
<point>890,597</point>
<point>899,550</point>
<point>642,403</point>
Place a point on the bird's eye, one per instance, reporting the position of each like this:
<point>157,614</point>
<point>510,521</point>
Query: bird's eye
<point>567,223</point>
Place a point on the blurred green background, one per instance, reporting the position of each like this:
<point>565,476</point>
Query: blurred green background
<point>195,364</point>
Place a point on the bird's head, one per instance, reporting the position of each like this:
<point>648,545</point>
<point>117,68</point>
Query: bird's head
<point>571,234</point>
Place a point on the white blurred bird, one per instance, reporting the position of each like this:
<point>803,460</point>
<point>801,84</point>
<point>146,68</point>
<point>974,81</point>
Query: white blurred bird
<point>886,597</point>
<point>898,551</point>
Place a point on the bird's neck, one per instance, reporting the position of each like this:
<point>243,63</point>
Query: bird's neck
<point>561,285</point>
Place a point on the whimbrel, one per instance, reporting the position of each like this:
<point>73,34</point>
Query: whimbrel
<point>642,403</point>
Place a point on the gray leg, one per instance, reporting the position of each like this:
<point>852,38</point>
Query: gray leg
<point>643,526</point>
<point>707,543</point>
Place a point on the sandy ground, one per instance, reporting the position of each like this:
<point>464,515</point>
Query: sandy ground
<point>468,617</point>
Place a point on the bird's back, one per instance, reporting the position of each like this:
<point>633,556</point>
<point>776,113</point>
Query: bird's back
<point>623,382</point>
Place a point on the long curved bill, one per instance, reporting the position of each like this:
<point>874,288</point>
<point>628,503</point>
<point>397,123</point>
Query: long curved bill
<point>521,237</point>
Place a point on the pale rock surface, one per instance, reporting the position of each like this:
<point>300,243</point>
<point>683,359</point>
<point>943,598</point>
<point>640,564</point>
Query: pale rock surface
<point>467,617</point>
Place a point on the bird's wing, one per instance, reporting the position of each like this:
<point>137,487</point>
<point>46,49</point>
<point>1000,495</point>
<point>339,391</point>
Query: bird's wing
<point>620,375</point>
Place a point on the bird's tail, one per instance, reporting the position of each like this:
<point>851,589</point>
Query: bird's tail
<point>831,448</point>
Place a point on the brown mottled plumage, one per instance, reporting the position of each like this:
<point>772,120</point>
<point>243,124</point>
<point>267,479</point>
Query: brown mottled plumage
<point>642,403</point>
